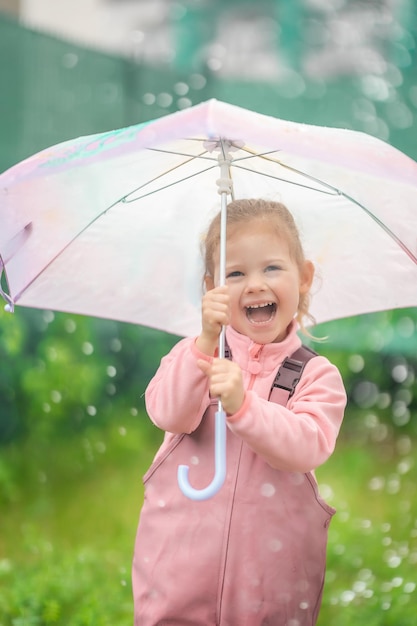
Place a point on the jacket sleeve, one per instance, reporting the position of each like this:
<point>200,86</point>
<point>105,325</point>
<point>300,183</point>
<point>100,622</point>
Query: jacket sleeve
<point>302,435</point>
<point>178,395</point>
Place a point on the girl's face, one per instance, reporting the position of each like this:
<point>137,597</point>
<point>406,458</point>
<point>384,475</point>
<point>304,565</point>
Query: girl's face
<point>264,281</point>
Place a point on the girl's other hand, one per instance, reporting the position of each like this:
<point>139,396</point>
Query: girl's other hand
<point>226,383</point>
<point>215,314</point>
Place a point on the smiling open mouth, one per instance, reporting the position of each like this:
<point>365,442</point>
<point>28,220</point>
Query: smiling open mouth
<point>261,313</point>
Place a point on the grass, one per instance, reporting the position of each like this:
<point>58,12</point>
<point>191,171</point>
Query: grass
<point>69,513</point>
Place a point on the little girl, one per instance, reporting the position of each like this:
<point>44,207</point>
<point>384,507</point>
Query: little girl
<point>254,554</point>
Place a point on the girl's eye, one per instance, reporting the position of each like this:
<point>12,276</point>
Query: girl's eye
<point>272,268</point>
<point>234,274</point>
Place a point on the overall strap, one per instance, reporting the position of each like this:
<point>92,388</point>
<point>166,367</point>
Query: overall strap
<point>288,375</point>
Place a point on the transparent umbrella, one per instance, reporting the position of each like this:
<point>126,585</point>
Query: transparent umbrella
<point>109,225</point>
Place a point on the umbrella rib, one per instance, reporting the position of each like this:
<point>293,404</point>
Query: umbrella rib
<point>97,217</point>
<point>202,155</point>
<point>338,192</point>
<point>386,228</point>
<point>332,191</point>
<point>149,193</point>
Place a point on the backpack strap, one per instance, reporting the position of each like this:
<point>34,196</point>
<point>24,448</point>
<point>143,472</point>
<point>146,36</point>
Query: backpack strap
<point>288,375</point>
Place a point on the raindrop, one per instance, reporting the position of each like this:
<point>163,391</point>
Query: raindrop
<point>91,410</point>
<point>404,445</point>
<point>405,396</point>
<point>133,411</point>
<point>111,389</point>
<point>406,327</point>
<point>46,407</point>
<point>70,60</point>
<point>366,524</point>
<point>347,596</point>
<point>394,75</point>
<point>164,100</point>
<point>393,485</point>
<point>48,317</point>
<point>371,420</point>
<point>375,88</point>
<point>100,446</point>
<point>122,431</point>
<point>111,371</point>
<point>197,81</point>
<point>149,98</point>
<point>376,483</point>
<point>115,345</point>
<point>304,606</point>
<point>70,326</point>
<point>365,394</point>
<point>356,363</point>
<point>400,414</point>
<point>366,574</point>
<point>214,64</point>
<point>56,396</point>
<point>359,586</point>
<point>5,566</point>
<point>399,115</point>
<point>195,460</point>
<point>409,587</point>
<point>181,89</point>
<point>393,560</point>
<point>399,372</point>
<point>87,348</point>
<point>267,490</point>
<point>184,103</point>
<point>384,400</point>
<point>275,545</point>
<point>380,433</point>
<point>326,492</point>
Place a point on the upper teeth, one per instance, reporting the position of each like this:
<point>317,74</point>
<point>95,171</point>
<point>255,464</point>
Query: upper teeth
<point>259,306</point>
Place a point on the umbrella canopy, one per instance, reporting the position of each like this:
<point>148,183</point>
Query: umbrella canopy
<point>110,225</point>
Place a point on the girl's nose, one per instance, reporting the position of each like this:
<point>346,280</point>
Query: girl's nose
<point>255,282</point>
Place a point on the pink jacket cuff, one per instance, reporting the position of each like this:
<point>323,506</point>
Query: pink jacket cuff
<point>200,355</point>
<point>245,406</point>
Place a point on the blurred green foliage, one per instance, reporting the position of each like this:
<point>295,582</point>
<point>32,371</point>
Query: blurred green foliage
<point>74,438</point>
<point>62,373</point>
<point>67,539</point>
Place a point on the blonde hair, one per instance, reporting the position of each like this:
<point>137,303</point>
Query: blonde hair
<point>280,219</point>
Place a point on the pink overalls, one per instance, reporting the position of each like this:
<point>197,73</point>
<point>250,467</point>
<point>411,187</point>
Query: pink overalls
<point>255,553</point>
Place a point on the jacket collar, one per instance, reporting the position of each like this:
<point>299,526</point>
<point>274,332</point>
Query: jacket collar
<point>270,355</point>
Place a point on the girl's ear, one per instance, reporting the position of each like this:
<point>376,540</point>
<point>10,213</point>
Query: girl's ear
<point>306,277</point>
<point>208,282</point>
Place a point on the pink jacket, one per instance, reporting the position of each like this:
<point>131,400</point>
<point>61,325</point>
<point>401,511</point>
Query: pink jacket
<point>254,554</point>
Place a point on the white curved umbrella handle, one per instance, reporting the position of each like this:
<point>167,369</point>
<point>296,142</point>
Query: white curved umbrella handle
<point>219,465</point>
<point>225,187</point>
